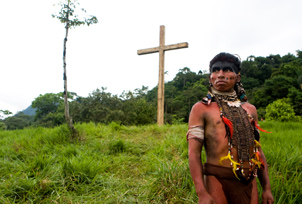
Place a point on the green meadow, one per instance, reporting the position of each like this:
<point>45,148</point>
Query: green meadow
<point>121,164</point>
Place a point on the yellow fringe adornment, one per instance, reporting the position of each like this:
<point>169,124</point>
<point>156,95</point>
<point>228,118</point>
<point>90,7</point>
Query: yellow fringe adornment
<point>257,163</point>
<point>235,164</point>
<point>257,144</point>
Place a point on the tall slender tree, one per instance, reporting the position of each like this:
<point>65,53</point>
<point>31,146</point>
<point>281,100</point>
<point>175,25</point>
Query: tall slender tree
<point>68,17</point>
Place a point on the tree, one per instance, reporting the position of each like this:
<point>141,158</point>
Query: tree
<point>280,110</point>
<point>183,76</point>
<point>45,104</point>
<point>299,79</point>
<point>98,107</point>
<point>249,82</point>
<point>67,16</point>
<point>260,99</point>
<point>140,93</point>
<point>137,111</point>
<point>3,112</point>
<point>299,53</point>
<point>6,112</point>
<point>288,58</point>
<point>291,69</point>
<point>2,126</point>
<point>277,87</point>
<point>275,60</point>
<point>295,96</point>
<point>18,121</point>
<point>50,108</point>
<point>259,68</point>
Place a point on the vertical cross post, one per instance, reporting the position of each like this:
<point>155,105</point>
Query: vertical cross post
<point>161,82</point>
<point>161,78</point>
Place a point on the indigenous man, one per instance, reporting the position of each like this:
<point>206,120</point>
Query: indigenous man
<point>226,125</point>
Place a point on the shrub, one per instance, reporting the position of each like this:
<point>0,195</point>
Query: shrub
<point>2,126</point>
<point>281,110</point>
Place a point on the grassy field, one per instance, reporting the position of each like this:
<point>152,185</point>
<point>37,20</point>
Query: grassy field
<point>117,164</point>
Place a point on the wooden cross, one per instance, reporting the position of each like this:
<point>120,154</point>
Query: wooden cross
<point>161,89</point>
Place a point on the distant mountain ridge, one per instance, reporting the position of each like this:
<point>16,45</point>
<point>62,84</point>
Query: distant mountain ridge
<point>29,111</point>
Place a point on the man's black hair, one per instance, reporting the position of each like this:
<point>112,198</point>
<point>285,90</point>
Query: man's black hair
<point>223,56</point>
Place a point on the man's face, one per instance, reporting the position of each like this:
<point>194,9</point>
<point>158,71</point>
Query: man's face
<point>223,76</point>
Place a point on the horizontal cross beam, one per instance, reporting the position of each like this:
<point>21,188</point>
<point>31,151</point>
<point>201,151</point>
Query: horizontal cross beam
<point>165,48</point>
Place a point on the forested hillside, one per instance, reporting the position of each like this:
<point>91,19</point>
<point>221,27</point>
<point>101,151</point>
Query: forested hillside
<point>266,79</point>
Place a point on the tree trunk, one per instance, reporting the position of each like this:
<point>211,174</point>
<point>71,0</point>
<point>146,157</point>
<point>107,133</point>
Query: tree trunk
<point>67,116</point>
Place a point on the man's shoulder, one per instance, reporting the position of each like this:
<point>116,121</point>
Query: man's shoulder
<point>200,104</point>
<point>250,108</point>
<point>248,105</point>
<point>203,112</point>
<point>204,107</point>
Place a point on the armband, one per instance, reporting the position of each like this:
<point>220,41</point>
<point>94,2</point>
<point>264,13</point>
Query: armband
<point>196,132</point>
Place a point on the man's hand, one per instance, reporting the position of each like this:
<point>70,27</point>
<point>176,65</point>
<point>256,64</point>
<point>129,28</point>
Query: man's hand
<point>267,197</point>
<point>206,199</point>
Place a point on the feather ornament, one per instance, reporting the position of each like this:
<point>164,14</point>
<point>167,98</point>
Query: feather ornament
<point>258,160</point>
<point>229,124</point>
<point>257,144</point>
<point>234,163</point>
<point>259,128</point>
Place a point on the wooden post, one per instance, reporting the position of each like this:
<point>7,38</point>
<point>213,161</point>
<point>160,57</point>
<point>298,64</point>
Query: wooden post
<point>161,82</point>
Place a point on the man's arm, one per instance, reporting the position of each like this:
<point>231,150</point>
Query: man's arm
<point>267,197</point>
<point>195,165</point>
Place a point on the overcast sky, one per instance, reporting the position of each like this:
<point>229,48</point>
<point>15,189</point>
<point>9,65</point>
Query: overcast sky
<point>105,54</point>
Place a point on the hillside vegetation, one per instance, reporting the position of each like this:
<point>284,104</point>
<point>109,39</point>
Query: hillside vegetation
<point>126,164</point>
<point>265,79</point>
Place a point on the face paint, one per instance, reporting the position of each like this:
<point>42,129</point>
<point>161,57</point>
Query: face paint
<point>223,77</point>
<point>224,66</point>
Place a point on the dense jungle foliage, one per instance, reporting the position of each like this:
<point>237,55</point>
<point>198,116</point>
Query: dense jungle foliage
<point>265,79</point>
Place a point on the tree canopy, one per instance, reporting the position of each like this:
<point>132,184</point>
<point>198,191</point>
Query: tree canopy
<point>265,79</point>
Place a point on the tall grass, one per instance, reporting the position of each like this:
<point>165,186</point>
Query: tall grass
<point>283,150</point>
<point>118,164</point>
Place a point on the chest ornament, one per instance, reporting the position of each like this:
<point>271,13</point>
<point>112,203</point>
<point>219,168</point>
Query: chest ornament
<point>243,135</point>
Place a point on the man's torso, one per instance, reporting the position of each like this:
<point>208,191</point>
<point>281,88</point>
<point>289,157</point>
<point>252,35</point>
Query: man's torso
<point>216,142</point>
